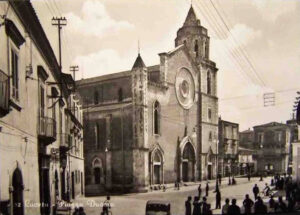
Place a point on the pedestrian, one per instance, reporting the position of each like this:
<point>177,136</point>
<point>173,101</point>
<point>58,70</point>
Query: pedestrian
<point>291,204</point>
<point>188,206</point>
<point>233,181</point>
<point>259,206</point>
<point>205,207</point>
<point>266,189</point>
<point>229,180</point>
<point>248,204</point>
<point>233,209</point>
<point>281,205</point>
<point>76,211</point>
<point>81,211</point>
<point>225,207</point>
<point>206,189</point>
<point>255,191</point>
<point>209,211</point>
<point>272,182</point>
<point>220,178</point>
<point>249,177</point>
<point>272,203</point>
<point>218,199</point>
<point>106,206</point>
<point>199,190</point>
<point>197,206</point>
<point>261,177</point>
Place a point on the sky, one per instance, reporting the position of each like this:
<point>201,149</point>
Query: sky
<point>255,44</point>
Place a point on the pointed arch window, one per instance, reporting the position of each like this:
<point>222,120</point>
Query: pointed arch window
<point>156,118</point>
<point>120,95</point>
<point>96,97</point>
<point>208,82</point>
<point>196,48</point>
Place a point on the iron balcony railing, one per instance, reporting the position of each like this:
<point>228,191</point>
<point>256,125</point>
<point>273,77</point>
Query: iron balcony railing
<point>4,93</point>
<point>47,128</point>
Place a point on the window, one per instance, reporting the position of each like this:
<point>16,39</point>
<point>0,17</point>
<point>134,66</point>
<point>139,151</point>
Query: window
<point>97,137</point>
<point>260,137</point>
<point>42,101</point>
<point>156,117</point>
<point>210,136</point>
<point>15,75</point>
<point>279,136</point>
<point>209,114</point>
<point>120,95</point>
<point>208,83</point>
<point>196,48</point>
<point>96,98</point>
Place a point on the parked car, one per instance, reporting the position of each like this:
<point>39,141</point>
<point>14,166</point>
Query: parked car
<point>158,207</point>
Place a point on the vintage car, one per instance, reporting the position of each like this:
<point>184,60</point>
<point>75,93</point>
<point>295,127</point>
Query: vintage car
<point>158,207</point>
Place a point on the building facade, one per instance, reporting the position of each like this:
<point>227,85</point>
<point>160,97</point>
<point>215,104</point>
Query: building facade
<point>153,125</point>
<point>33,100</point>
<point>272,142</point>
<point>247,139</point>
<point>228,148</point>
<point>247,162</point>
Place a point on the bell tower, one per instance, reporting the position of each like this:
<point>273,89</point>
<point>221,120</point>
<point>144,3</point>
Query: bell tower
<point>194,36</point>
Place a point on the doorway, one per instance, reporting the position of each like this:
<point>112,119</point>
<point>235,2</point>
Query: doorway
<point>73,185</point>
<point>17,183</point>
<point>209,172</point>
<point>185,171</point>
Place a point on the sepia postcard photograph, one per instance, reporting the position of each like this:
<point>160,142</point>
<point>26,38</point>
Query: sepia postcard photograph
<point>149,107</point>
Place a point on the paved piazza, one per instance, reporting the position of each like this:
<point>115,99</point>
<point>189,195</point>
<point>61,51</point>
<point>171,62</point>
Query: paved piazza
<point>134,204</point>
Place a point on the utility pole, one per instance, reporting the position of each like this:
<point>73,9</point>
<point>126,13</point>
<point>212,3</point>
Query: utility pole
<point>59,22</point>
<point>74,69</point>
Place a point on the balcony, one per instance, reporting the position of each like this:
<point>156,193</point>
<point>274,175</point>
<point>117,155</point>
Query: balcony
<point>4,94</point>
<point>65,142</point>
<point>47,130</point>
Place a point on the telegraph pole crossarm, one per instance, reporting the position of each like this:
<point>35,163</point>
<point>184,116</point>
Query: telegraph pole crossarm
<point>59,22</point>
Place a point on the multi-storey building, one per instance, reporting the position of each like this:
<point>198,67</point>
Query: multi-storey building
<point>272,142</point>
<point>33,100</point>
<point>247,139</point>
<point>153,125</point>
<point>228,148</point>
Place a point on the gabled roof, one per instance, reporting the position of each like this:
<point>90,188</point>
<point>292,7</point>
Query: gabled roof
<point>247,131</point>
<point>270,124</point>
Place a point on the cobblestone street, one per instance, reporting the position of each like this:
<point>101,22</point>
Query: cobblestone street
<point>134,204</point>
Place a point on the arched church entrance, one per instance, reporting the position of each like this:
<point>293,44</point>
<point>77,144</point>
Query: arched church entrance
<point>18,187</point>
<point>98,171</point>
<point>188,163</point>
<point>156,167</point>
<point>209,167</point>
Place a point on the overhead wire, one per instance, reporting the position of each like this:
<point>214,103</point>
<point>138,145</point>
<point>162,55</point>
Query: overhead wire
<point>236,47</point>
<point>227,50</point>
<point>240,45</point>
<point>219,33</point>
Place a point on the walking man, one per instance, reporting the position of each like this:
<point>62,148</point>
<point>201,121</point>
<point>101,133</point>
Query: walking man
<point>255,191</point>
<point>188,206</point>
<point>206,189</point>
<point>248,204</point>
<point>199,190</point>
<point>225,207</point>
<point>218,199</point>
<point>233,209</point>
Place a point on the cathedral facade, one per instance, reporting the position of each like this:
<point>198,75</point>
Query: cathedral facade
<point>153,125</point>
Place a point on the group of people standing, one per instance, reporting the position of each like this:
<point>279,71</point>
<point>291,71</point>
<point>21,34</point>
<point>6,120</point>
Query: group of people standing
<point>249,206</point>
